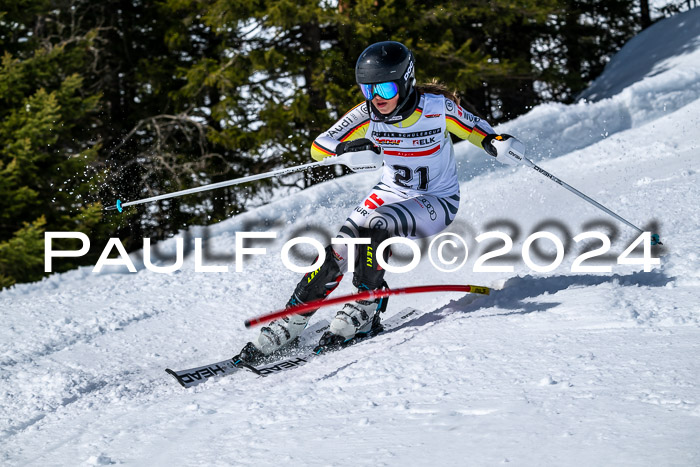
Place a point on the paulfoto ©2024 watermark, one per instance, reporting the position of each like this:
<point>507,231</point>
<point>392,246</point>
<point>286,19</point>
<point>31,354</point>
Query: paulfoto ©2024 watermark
<point>541,251</point>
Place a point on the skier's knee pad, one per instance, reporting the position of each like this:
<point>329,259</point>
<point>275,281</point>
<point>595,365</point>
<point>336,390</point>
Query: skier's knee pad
<point>319,283</point>
<point>368,273</point>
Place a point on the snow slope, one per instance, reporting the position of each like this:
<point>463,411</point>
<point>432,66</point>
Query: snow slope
<point>554,368</point>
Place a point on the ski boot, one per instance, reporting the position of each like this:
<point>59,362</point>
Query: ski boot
<point>283,334</point>
<point>280,335</point>
<point>361,318</point>
<point>357,320</point>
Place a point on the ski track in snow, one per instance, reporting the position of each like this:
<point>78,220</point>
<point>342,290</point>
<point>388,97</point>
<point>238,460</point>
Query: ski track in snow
<point>555,368</point>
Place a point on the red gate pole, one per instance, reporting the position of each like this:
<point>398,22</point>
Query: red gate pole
<point>367,295</point>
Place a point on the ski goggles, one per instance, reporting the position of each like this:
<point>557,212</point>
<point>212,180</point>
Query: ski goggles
<point>387,90</point>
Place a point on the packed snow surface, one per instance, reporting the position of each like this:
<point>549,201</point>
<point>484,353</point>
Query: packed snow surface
<point>553,368</point>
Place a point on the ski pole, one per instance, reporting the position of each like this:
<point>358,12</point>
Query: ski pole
<point>366,295</point>
<point>654,238</point>
<point>513,150</point>
<point>361,161</point>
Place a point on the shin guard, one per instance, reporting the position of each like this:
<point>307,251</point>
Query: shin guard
<point>319,283</point>
<point>369,275</point>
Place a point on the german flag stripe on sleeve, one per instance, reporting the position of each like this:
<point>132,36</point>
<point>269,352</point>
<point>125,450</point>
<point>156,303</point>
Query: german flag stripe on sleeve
<point>458,123</point>
<point>480,131</point>
<point>477,136</point>
<point>318,147</point>
<point>357,132</point>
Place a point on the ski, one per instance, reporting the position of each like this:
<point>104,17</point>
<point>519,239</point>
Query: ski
<point>194,376</point>
<point>304,353</point>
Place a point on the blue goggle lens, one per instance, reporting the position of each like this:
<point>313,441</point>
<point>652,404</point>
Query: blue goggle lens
<point>387,90</point>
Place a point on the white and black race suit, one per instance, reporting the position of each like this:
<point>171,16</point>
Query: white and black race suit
<point>418,195</point>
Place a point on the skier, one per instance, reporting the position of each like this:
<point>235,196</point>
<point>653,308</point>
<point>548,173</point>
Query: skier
<point>418,195</point>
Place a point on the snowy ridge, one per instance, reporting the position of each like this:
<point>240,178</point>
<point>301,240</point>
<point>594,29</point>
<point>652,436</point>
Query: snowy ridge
<point>555,368</point>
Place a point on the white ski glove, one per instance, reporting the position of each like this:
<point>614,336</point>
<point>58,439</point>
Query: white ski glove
<point>506,149</point>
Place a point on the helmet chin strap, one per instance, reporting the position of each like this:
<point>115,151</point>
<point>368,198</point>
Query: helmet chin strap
<point>380,117</point>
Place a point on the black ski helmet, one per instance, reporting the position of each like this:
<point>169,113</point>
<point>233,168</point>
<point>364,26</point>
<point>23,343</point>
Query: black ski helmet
<point>387,61</point>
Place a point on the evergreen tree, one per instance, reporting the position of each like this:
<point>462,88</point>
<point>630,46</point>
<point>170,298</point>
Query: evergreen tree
<point>46,146</point>
<point>579,41</point>
<point>128,99</point>
<point>154,142</point>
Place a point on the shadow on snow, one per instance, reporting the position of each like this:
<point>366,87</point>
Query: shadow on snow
<point>518,290</point>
